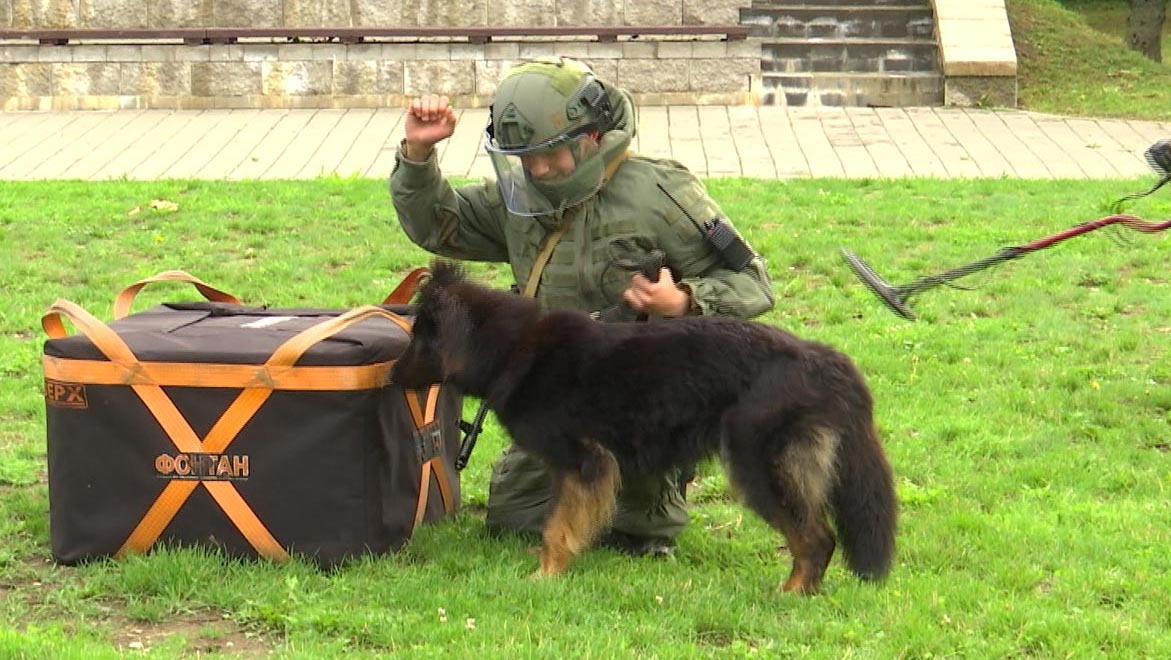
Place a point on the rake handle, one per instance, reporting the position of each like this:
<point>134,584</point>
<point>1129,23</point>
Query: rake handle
<point>931,281</point>
<point>1131,221</point>
<point>896,297</point>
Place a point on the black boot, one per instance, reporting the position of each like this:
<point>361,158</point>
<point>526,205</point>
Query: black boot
<point>637,546</point>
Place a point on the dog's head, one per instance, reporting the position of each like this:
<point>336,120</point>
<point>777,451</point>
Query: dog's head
<point>440,334</point>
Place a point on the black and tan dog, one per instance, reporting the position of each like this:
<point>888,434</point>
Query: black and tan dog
<point>791,419</point>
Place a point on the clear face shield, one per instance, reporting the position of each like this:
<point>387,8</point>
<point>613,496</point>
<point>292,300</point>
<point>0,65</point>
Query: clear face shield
<point>547,177</point>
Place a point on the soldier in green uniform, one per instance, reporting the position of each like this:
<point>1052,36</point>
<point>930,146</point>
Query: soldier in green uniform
<point>568,190</point>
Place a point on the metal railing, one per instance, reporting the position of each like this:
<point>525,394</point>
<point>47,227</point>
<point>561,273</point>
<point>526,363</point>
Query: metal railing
<point>475,35</point>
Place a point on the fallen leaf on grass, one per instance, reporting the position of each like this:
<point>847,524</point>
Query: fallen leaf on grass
<point>162,205</point>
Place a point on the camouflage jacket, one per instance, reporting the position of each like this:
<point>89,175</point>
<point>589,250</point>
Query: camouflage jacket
<point>471,223</point>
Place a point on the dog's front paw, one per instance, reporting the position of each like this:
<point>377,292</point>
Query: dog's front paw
<point>553,564</point>
<point>541,574</point>
<point>548,570</point>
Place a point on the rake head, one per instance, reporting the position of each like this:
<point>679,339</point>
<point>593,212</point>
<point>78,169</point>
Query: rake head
<point>1158,157</point>
<point>893,296</point>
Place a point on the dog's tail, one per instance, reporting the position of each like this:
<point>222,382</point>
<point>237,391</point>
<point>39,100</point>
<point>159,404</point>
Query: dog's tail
<point>864,502</point>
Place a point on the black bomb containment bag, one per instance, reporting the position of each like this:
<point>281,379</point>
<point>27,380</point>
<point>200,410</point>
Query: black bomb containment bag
<point>260,431</point>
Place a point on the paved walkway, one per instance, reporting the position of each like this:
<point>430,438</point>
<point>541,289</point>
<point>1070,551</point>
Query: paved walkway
<point>764,142</point>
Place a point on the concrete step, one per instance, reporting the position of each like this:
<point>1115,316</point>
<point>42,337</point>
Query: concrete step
<point>855,55</point>
<point>852,89</point>
<point>840,21</point>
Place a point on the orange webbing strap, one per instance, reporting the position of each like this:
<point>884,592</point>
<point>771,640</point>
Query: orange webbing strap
<point>186,374</point>
<point>123,301</point>
<point>181,435</point>
<point>241,411</point>
<point>405,290</point>
<point>423,414</point>
<point>224,431</point>
<point>436,465</point>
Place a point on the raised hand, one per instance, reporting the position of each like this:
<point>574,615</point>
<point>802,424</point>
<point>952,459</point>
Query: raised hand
<point>428,120</point>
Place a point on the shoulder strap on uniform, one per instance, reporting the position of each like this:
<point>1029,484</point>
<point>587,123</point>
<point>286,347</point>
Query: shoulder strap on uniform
<point>543,258</point>
<point>613,165</point>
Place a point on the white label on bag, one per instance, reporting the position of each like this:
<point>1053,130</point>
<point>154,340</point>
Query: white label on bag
<point>267,321</point>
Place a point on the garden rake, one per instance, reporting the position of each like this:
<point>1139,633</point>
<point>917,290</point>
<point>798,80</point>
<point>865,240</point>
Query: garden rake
<point>897,297</point>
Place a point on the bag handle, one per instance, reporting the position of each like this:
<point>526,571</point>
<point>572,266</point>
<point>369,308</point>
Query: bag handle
<point>406,289</point>
<point>401,294</point>
<point>289,352</point>
<point>126,297</point>
<point>286,355</point>
<point>104,338</point>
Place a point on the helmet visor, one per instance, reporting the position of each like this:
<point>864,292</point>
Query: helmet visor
<point>546,177</point>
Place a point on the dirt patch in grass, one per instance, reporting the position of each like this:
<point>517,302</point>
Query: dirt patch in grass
<point>27,586</point>
<point>202,634</point>
<point>28,577</point>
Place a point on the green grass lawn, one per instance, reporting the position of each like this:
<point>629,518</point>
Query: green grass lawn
<point>1108,17</point>
<point>1028,420</point>
<point>1027,416</point>
<point>1068,64</point>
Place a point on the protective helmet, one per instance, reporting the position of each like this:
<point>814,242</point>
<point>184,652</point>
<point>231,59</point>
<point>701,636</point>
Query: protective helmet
<point>542,106</point>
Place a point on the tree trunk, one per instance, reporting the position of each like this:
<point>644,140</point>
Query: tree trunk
<point>1144,27</point>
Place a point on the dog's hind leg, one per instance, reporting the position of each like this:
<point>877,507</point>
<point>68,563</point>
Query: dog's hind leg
<point>787,482</point>
<point>583,504</point>
<point>805,474</point>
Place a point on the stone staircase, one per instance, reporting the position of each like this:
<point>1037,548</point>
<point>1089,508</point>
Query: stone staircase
<point>847,52</point>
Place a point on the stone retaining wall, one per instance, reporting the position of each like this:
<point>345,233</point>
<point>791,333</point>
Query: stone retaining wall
<point>265,73</point>
<point>30,14</point>
<point>331,75</point>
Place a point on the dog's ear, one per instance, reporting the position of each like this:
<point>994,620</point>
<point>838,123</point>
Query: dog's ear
<point>441,275</point>
<point>445,273</point>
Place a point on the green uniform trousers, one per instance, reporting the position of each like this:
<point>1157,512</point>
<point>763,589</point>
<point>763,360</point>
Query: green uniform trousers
<point>520,494</point>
